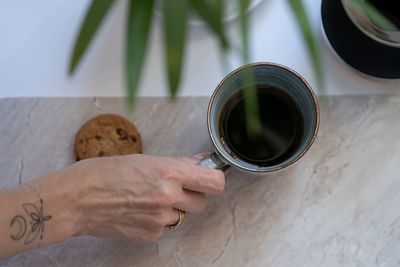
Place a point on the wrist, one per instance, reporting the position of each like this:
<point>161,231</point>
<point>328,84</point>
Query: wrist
<point>59,202</point>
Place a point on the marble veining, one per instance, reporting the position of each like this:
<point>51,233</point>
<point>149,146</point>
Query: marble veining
<point>338,206</point>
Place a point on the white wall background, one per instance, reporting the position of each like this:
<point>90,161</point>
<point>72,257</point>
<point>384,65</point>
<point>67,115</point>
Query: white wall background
<point>36,38</point>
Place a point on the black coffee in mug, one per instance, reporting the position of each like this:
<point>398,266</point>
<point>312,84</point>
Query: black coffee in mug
<point>281,122</point>
<point>288,119</point>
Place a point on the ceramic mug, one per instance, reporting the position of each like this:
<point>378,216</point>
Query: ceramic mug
<point>264,75</point>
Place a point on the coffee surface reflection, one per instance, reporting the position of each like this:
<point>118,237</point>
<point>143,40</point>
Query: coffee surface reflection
<point>281,126</point>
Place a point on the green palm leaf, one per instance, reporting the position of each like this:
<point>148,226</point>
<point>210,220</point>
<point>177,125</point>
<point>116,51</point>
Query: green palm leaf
<point>244,28</point>
<point>138,28</point>
<point>308,36</point>
<point>251,107</point>
<point>94,17</point>
<point>212,14</point>
<point>175,15</point>
<point>374,14</point>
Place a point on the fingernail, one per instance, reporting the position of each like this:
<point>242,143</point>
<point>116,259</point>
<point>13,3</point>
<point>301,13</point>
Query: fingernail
<point>200,156</point>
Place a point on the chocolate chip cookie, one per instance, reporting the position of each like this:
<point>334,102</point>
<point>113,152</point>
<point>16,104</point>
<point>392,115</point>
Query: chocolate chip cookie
<point>107,135</point>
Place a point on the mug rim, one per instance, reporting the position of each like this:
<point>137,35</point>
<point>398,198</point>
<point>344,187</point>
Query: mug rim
<point>273,168</point>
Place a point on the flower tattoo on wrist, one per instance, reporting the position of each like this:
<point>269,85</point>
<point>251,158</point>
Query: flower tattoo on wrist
<point>31,225</point>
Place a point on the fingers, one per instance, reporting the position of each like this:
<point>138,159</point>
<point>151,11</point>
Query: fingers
<point>172,216</point>
<point>196,178</point>
<point>186,200</point>
<point>200,156</point>
<point>191,201</point>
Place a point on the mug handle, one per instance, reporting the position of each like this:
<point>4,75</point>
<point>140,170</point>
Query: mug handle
<point>213,161</point>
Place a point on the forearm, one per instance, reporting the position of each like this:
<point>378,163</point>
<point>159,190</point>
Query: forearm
<point>35,214</point>
<point>133,196</point>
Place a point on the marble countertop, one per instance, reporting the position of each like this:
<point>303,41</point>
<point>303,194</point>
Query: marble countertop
<point>339,206</point>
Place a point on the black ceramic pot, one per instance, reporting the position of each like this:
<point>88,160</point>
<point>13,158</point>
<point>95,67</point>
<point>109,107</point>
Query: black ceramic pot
<point>361,43</point>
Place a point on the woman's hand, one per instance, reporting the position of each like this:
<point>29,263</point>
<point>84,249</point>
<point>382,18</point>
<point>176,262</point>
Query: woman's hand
<point>136,196</point>
<point>133,197</point>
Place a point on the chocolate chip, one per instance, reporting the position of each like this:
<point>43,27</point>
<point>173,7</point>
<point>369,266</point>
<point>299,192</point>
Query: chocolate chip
<point>98,137</point>
<point>123,135</point>
<point>81,141</point>
<point>101,154</point>
<point>133,138</point>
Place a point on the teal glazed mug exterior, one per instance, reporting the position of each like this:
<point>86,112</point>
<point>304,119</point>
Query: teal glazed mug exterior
<point>265,75</point>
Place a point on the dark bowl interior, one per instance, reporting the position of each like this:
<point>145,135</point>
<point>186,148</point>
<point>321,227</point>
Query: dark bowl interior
<point>355,47</point>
